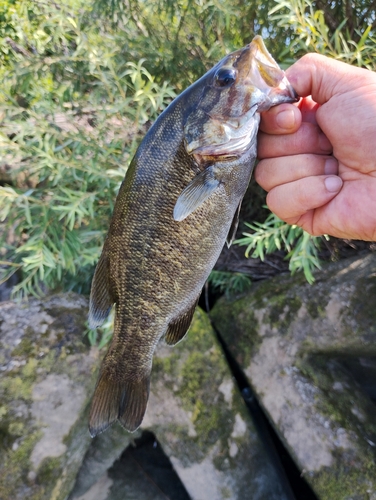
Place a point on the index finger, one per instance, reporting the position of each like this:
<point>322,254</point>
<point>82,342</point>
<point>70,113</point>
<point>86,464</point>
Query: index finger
<point>282,119</point>
<point>322,77</point>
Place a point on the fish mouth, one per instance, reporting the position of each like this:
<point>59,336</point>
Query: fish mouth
<point>238,133</point>
<point>284,93</point>
<point>227,125</point>
<point>285,86</point>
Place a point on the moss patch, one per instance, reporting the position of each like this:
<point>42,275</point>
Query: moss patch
<point>283,310</point>
<point>362,306</point>
<point>46,346</point>
<point>237,320</point>
<point>193,371</point>
<point>211,416</point>
<point>16,465</point>
<point>355,483</point>
<point>49,471</point>
<point>238,326</point>
<point>354,473</point>
<point>338,405</point>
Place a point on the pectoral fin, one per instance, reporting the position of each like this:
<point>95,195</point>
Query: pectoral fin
<point>178,328</point>
<point>194,195</point>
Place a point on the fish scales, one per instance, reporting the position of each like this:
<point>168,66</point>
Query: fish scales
<point>171,218</point>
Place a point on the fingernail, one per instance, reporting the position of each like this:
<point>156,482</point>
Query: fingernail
<point>286,119</point>
<point>331,166</point>
<point>333,183</point>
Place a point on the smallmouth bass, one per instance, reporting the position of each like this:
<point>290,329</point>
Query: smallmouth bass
<point>176,207</point>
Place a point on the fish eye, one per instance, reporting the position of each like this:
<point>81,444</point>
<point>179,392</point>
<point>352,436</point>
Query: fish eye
<point>225,77</point>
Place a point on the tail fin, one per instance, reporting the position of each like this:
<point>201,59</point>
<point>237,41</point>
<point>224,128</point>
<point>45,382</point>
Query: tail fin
<point>125,401</point>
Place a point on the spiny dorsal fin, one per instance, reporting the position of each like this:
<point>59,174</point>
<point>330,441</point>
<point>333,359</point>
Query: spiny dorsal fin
<point>100,299</point>
<point>125,401</point>
<point>234,227</point>
<point>194,195</point>
<point>178,328</point>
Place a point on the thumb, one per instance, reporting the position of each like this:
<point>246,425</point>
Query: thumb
<point>322,77</point>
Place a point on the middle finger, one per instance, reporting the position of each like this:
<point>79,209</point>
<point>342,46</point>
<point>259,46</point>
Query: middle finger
<point>307,139</point>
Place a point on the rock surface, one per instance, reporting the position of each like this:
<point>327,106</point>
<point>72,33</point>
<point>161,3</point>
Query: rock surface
<point>47,376</point>
<point>195,411</point>
<point>301,347</point>
<point>199,418</point>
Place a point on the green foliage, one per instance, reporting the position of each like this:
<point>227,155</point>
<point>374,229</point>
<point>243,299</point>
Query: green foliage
<point>334,30</point>
<point>182,38</point>
<point>228,282</point>
<point>71,117</point>
<point>274,234</point>
<point>81,82</point>
<point>101,336</point>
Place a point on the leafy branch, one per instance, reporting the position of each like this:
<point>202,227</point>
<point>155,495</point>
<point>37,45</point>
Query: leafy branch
<point>274,234</point>
<point>71,116</point>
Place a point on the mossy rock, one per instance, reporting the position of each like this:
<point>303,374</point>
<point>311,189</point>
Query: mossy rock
<point>47,378</point>
<point>296,342</point>
<point>198,416</point>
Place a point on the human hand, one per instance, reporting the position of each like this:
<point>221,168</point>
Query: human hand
<point>318,159</point>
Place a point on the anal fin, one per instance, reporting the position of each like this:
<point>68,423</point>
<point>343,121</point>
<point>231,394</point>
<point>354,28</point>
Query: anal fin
<point>178,328</point>
<point>125,401</point>
<point>100,298</point>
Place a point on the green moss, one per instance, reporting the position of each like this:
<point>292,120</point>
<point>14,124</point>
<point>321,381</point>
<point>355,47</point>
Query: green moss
<point>316,306</point>
<point>29,370</point>
<point>338,406</point>
<point>17,428</point>
<point>283,310</point>
<point>17,387</point>
<point>210,417</point>
<point>201,330</point>
<point>355,482</point>
<point>6,437</point>
<point>362,306</point>
<point>49,471</point>
<point>27,347</point>
<point>238,326</point>
<point>16,465</point>
<point>225,492</point>
<point>194,370</point>
<point>334,404</point>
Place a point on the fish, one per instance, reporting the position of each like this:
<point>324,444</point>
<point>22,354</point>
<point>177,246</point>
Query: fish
<point>177,206</point>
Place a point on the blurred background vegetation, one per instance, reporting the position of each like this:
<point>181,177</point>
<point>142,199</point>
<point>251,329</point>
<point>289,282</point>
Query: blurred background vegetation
<point>81,83</point>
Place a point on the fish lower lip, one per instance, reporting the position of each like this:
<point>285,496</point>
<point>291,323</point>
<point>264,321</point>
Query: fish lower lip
<point>293,93</point>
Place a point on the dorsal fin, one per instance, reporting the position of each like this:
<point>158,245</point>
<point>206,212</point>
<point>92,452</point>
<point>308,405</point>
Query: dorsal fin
<point>100,298</point>
<point>179,326</point>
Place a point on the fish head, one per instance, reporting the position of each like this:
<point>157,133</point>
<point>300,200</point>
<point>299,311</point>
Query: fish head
<point>225,121</point>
